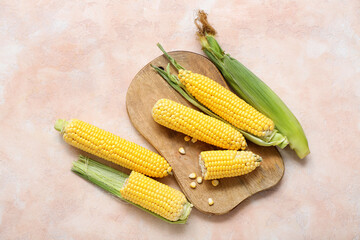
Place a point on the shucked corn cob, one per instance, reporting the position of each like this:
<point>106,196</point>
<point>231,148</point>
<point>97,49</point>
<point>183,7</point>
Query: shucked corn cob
<point>110,147</point>
<point>197,125</point>
<point>154,197</point>
<point>221,164</point>
<point>226,104</point>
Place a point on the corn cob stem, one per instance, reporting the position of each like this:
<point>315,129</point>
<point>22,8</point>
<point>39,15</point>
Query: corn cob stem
<point>113,181</point>
<point>171,59</point>
<point>273,139</point>
<point>60,125</point>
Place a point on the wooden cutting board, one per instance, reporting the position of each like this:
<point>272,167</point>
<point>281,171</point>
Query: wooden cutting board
<point>146,88</point>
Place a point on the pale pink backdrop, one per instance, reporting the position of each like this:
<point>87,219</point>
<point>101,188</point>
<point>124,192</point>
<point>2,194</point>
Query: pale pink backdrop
<point>76,59</point>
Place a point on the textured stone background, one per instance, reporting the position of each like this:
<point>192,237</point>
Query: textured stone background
<point>76,59</point>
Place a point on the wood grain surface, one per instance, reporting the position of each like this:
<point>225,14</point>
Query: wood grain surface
<point>146,88</point>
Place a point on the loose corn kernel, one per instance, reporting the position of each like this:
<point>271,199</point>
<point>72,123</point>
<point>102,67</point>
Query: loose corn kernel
<point>215,182</point>
<point>228,163</point>
<point>182,151</point>
<point>226,104</point>
<point>193,184</point>
<point>187,138</point>
<point>192,175</point>
<point>197,125</point>
<point>112,148</point>
<point>193,140</point>
<point>210,201</point>
<point>199,180</point>
<point>155,196</point>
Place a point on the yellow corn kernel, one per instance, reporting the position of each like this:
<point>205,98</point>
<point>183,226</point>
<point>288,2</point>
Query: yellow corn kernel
<point>226,104</point>
<point>210,201</point>
<point>155,196</point>
<point>215,182</point>
<point>193,140</point>
<point>192,175</point>
<point>182,151</point>
<point>187,138</point>
<point>193,184</point>
<point>199,180</point>
<point>197,125</point>
<point>221,164</point>
<point>112,148</point>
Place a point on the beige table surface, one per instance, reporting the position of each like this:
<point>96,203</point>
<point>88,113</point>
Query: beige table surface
<point>76,59</point>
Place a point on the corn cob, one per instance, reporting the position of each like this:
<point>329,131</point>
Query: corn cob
<point>254,91</point>
<point>226,104</point>
<point>197,125</point>
<point>222,164</point>
<point>155,196</point>
<point>145,193</point>
<point>112,148</point>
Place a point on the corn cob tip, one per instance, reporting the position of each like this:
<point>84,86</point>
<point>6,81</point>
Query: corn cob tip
<point>60,125</point>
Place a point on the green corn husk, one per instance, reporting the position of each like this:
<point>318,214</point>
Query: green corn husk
<point>275,139</point>
<point>250,88</point>
<point>112,181</point>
